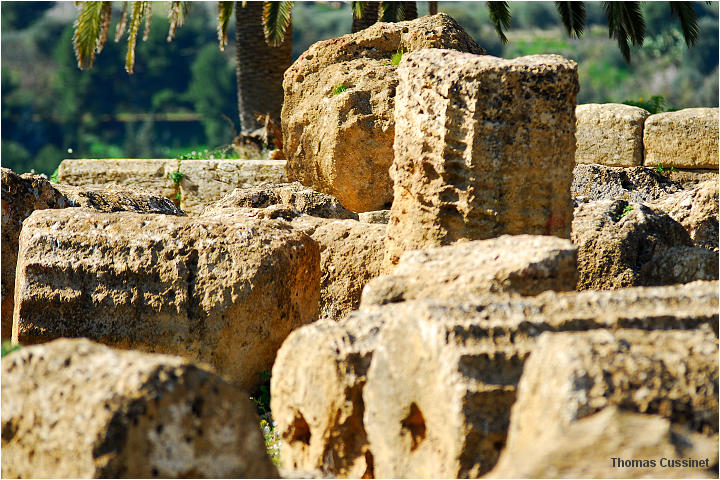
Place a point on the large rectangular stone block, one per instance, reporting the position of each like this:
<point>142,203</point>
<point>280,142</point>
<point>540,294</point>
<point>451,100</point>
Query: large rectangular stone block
<point>483,146</point>
<point>225,289</point>
<point>610,134</point>
<point>203,181</point>
<point>684,139</point>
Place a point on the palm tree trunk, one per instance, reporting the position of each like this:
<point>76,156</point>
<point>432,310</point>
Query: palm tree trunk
<point>260,68</point>
<point>433,8</point>
<point>409,10</point>
<point>369,17</point>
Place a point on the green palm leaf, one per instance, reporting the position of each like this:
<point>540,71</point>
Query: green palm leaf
<point>176,16</point>
<point>391,11</point>
<point>625,24</point>
<point>225,10</point>
<point>500,18</point>
<point>138,11</point>
<point>357,8</point>
<point>573,17</point>
<point>688,20</point>
<point>105,27</point>
<point>87,32</point>
<point>120,29</point>
<point>148,16</point>
<point>276,20</point>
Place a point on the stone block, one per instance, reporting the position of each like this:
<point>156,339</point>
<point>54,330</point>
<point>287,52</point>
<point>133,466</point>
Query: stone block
<point>684,139</point>
<point>635,184</point>
<point>486,148</point>
<point>610,134</point>
<point>72,408</point>
<point>225,289</point>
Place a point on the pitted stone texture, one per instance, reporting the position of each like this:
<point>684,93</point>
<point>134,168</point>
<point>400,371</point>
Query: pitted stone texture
<point>342,143</point>
<point>682,265</point>
<point>524,264</point>
<point>203,182</point>
<point>225,289</point>
<point>324,365</point>
<point>486,148</point>
<point>697,210</point>
<point>684,139</point>
<point>376,216</point>
<point>587,447</point>
<point>610,134</point>
<point>75,409</point>
<point>617,242</point>
<point>305,200</point>
<point>673,374</point>
<point>637,184</point>
<point>22,194</point>
<point>317,384</point>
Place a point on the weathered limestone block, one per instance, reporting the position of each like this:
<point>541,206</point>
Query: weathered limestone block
<point>617,241</point>
<point>203,181</point>
<point>316,385</point>
<point>609,444</point>
<point>324,365</point>
<point>225,289</point>
<point>673,374</point>
<point>376,216</point>
<point>340,141</point>
<point>22,194</point>
<point>610,134</point>
<point>637,184</point>
<point>696,210</point>
<point>681,265</point>
<point>689,178</point>
<point>75,409</point>
<point>684,139</point>
<point>524,264</point>
<point>442,378</point>
<point>304,200</point>
<point>486,148</point>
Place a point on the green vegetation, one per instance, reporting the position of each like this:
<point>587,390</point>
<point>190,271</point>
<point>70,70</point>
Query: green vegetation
<point>397,56</point>
<point>661,169</point>
<point>176,176</point>
<point>220,153</point>
<point>54,176</point>
<point>626,210</point>
<point>656,104</point>
<point>338,89</point>
<point>261,398</point>
<point>8,347</point>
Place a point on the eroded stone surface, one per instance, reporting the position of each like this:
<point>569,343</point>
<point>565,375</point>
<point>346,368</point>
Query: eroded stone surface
<point>338,113</point>
<point>76,409</point>
<point>617,241</point>
<point>376,216</point>
<point>610,134</point>
<point>682,265</point>
<point>225,289</point>
<point>524,264</point>
<point>637,184</point>
<point>487,148</point>
<point>684,139</point>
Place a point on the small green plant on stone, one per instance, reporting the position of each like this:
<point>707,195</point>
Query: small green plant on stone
<point>397,56</point>
<point>54,177</point>
<point>261,398</point>
<point>8,347</point>
<point>661,169</point>
<point>626,210</point>
<point>177,175</point>
<point>338,89</point>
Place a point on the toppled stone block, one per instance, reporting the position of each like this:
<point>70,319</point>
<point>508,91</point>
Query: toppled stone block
<point>684,139</point>
<point>613,444</point>
<point>487,148</point>
<point>376,216</point>
<point>681,265</point>
<point>697,210</point>
<point>202,181</point>
<point>524,264</point>
<point>75,409</point>
<point>23,194</point>
<point>338,111</point>
<point>617,241</point>
<point>305,200</point>
<point>636,184</point>
<point>498,331</point>
<point>673,374</point>
<point>610,134</point>
<point>225,289</point>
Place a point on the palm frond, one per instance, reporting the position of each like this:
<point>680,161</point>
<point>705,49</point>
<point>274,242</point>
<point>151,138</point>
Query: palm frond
<point>224,13</point>
<point>176,16</point>
<point>358,8</point>
<point>148,17</point>
<point>573,17</point>
<point>138,11</point>
<point>688,20</point>
<point>392,11</point>
<point>105,27</point>
<point>500,18</point>
<point>87,32</point>
<point>120,29</point>
<point>625,24</point>
<point>276,20</point>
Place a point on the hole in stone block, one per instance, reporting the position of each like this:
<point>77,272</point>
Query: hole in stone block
<point>414,425</point>
<point>299,430</point>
